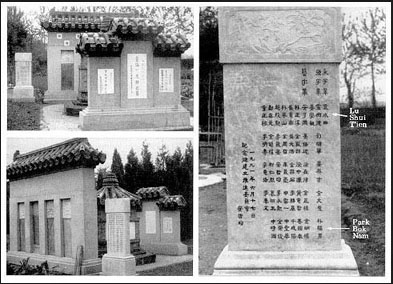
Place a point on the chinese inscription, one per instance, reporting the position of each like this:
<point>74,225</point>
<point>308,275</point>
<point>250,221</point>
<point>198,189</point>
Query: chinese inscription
<point>137,76</point>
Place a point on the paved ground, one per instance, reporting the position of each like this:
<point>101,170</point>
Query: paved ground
<point>54,119</point>
<point>205,180</point>
<point>164,260</point>
<point>210,179</point>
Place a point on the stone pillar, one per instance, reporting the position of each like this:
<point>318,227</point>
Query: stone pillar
<point>82,94</point>
<point>118,260</point>
<point>23,89</point>
<point>281,86</point>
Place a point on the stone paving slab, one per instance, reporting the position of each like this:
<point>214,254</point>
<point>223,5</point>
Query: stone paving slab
<point>53,118</point>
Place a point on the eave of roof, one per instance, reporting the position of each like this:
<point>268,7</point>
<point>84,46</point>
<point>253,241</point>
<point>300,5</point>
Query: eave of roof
<point>73,153</point>
<point>172,202</point>
<point>99,44</point>
<point>152,193</point>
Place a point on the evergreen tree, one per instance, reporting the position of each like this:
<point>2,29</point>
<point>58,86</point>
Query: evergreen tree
<point>117,167</point>
<point>147,167</point>
<point>132,172</point>
<point>186,183</point>
<point>100,177</point>
<point>161,166</point>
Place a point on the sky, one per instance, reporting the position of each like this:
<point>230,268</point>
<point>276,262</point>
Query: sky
<point>106,145</point>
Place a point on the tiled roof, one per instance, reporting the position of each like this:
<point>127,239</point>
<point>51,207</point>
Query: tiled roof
<point>152,192</point>
<point>115,25</point>
<point>135,28</point>
<point>79,21</point>
<point>170,45</point>
<point>111,189</point>
<point>173,202</point>
<point>72,153</point>
<point>99,44</point>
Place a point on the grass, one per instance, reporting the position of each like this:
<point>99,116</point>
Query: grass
<point>23,115</point>
<point>363,196</point>
<point>363,180</point>
<point>180,269</point>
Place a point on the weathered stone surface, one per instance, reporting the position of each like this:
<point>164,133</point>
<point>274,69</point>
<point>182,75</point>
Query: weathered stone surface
<point>279,34</point>
<point>282,142</point>
<point>131,92</point>
<point>287,263</point>
<point>249,88</point>
<point>118,260</point>
<point>160,230</point>
<point>23,89</point>
<point>159,118</point>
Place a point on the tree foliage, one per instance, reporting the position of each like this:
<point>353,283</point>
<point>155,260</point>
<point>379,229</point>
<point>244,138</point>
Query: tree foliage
<point>175,171</point>
<point>100,177</point>
<point>132,172</point>
<point>117,167</point>
<point>364,49</point>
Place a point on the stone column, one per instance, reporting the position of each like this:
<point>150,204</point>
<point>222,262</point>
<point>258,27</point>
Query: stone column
<point>82,92</point>
<point>23,89</point>
<point>118,260</point>
<point>281,87</point>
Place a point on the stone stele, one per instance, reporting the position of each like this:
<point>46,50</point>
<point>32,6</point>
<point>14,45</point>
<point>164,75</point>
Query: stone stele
<point>281,86</point>
<point>118,260</point>
<point>23,89</point>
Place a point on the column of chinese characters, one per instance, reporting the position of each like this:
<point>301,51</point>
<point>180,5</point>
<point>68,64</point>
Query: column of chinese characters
<point>304,82</point>
<point>248,208</point>
<point>319,179</point>
<point>321,81</point>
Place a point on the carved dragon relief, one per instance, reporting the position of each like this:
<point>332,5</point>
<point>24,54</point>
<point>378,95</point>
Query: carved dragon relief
<point>279,33</point>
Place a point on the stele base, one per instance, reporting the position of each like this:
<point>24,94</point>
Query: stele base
<point>290,263</point>
<point>23,93</point>
<point>166,248</point>
<point>60,264</point>
<point>177,118</point>
<point>65,95</point>
<point>118,265</point>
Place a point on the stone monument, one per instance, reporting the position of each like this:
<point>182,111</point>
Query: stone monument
<point>133,77</point>
<point>281,86</point>
<point>111,189</point>
<point>118,260</point>
<point>53,207</point>
<point>23,89</point>
<point>160,221</point>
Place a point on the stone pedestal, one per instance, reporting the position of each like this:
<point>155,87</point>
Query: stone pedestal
<point>281,86</point>
<point>23,89</point>
<point>289,263</point>
<point>118,260</point>
<point>176,118</point>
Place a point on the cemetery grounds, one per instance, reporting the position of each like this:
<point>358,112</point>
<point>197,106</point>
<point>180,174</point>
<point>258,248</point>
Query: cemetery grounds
<point>363,196</point>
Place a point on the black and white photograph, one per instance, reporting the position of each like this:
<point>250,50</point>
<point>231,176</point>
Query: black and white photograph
<point>99,68</point>
<point>292,141</point>
<point>196,142</point>
<point>99,206</point>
